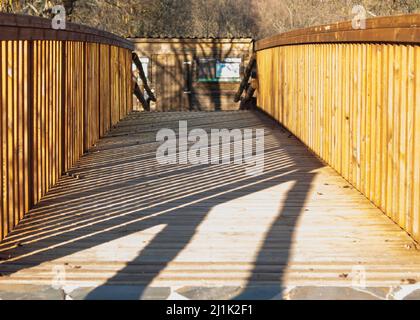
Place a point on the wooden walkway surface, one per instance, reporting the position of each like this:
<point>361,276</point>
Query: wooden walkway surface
<point>120,218</point>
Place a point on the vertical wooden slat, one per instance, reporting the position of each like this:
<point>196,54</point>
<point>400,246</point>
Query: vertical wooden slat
<point>410,151</point>
<point>42,117</point>
<point>34,122</point>
<point>64,107</point>
<point>48,110</point>
<point>87,78</point>
<point>403,137</point>
<point>10,137</point>
<point>366,122</point>
<point>396,86</point>
<point>416,155</point>
<point>374,142</point>
<point>384,132</point>
<point>3,140</point>
<point>18,154</point>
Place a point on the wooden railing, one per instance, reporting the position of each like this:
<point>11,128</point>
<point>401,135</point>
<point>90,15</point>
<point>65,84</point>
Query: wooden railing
<point>61,90</point>
<point>353,97</point>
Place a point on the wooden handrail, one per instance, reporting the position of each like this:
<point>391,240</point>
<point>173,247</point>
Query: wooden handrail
<point>396,29</point>
<point>25,27</point>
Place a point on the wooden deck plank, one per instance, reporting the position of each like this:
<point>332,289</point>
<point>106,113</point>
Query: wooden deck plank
<point>121,218</point>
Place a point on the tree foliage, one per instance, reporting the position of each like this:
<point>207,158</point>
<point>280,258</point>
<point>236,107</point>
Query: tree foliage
<point>207,18</point>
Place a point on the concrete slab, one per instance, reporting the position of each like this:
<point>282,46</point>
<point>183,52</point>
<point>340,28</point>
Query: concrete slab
<point>337,293</point>
<point>30,292</point>
<point>215,293</point>
<point>119,292</point>
<point>260,293</point>
<point>413,296</point>
<point>133,292</point>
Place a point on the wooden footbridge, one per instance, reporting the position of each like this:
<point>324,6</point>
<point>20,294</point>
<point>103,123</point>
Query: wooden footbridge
<point>87,212</point>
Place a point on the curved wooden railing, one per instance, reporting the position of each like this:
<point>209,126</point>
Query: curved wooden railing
<point>61,90</point>
<point>353,97</point>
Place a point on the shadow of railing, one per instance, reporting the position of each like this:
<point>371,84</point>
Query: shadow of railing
<point>115,192</point>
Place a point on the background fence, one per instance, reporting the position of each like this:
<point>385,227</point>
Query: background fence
<point>61,90</point>
<point>353,97</point>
